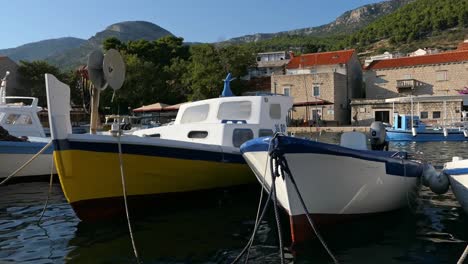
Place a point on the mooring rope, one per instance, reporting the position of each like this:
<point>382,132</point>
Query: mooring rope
<point>262,184</point>
<point>275,207</point>
<point>463,256</point>
<point>124,189</point>
<point>282,165</point>
<point>26,164</point>
<point>262,215</point>
<point>50,191</point>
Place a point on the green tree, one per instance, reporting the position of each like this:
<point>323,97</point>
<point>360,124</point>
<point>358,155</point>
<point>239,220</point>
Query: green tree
<point>32,80</point>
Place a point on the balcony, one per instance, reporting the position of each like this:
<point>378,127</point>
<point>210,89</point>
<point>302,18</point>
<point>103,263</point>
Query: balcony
<point>407,84</point>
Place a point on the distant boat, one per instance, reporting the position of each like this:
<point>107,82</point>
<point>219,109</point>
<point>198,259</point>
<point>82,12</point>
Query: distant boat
<point>410,128</point>
<point>200,151</point>
<point>457,172</point>
<point>337,182</point>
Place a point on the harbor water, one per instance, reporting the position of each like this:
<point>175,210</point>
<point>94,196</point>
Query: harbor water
<point>434,229</point>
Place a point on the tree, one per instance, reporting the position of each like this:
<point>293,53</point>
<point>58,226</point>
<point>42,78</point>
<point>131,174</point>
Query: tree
<point>32,81</point>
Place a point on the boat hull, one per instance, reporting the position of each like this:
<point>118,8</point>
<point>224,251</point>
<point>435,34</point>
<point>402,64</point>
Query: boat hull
<point>459,185</point>
<point>398,135</point>
<point>457,172</point>
<point>90,173</point>
<point>14,154</point>
<point>336,183</point>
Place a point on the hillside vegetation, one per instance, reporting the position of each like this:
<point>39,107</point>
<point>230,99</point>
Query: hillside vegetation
<point>437,23</point>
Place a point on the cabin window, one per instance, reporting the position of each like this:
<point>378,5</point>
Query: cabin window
<point>195,114</point>
<point>287,91</point>
<point>239,136</point>
<point>436,114</point>
<point>441,76</point>
<point>197,134</point>
<point>275,111</point>
<point>18,119</point>
<point>265,133</point>
<point>239,110</point>
<point>316,91</point>
<point>157,135</point>
<point>424,115</point>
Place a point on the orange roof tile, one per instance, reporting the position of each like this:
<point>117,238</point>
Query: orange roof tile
<point>322,58</point>
<point>446,57</point>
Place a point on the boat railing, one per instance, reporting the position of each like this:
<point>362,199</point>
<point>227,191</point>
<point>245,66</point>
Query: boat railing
<point>34,100</point>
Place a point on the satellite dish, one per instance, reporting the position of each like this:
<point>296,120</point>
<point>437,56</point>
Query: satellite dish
<point>114,69</point>
<point>95,70</point>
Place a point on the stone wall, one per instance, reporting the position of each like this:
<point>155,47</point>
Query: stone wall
<point>332,89</point>
<point>382,83</point>
<point>363,111</point>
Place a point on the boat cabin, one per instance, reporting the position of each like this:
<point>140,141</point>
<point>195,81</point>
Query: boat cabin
<point>226,121</point>
<point>20,118</point>
<point>403,122</point>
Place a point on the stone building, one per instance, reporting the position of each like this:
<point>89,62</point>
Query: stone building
<point>322,85</point>
<point>269,63</point>
<point>442,74</point>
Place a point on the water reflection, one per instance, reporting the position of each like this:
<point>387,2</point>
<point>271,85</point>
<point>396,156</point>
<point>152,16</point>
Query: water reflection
<point>433,230</point>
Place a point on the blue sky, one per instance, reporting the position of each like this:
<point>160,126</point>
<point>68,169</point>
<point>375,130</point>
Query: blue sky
<point>25,21</point>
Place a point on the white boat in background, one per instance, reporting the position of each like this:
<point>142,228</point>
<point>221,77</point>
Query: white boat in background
<point>336,182</point>
<point>457,172</point>
<point>18,116</point>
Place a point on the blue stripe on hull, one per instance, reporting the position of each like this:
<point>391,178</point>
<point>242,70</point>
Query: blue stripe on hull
<point>13,147</point>
<point>457,171</point>
<point>150,150</point>
<point>394,166</point>
<point>424,136</point>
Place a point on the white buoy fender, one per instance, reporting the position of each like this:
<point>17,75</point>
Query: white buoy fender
<point>445,132</point>
<point>465,133</point>
<point>413,131</point>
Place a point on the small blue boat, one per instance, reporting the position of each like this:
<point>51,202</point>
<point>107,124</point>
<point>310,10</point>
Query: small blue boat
<point>402,130</point>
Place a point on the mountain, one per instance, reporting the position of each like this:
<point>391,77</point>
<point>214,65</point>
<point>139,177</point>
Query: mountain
<point>42,49</point>
<point>124,31</point>
<point>348,22</point>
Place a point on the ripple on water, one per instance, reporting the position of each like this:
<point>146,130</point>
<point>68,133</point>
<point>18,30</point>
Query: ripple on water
<point>433,230</point>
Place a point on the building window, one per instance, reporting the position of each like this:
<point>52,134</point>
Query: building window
<point>424,115</point>
<point>287,91</point>
<point>316,91</point>
<point>441,76</point>
<point>436,114</point>
<point>406,76</point>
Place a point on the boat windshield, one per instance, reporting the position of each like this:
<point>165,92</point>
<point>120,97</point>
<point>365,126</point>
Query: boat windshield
<point>240,110</point>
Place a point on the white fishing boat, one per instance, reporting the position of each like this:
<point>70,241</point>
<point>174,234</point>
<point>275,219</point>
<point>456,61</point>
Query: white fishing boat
<point>23,136</point>
<point>457,172</point>
<point>200,151</point>
<point>335,182</point>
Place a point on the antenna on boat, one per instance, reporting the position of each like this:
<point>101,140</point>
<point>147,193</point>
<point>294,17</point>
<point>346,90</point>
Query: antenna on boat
<point>104,70</point>
<point>3,88</point>
<point>227,86</point>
